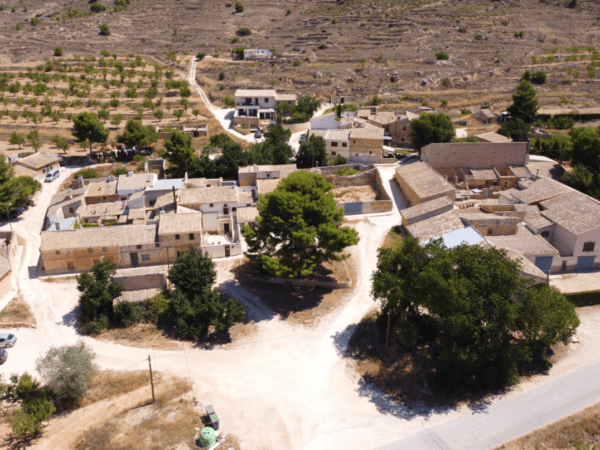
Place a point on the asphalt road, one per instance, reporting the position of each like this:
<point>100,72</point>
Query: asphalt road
<point>512,417</point>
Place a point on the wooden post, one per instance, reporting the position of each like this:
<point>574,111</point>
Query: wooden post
<point>151,380</point>
<point>387,336</point>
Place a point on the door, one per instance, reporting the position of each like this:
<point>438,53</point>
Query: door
<point>226,228</point>
<point>134,259</point>
<point>544,263</point>
<point>227,251</point>
<point>585,263</point>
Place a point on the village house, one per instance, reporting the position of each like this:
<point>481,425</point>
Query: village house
<point>104,191</point>
<point>255,108</point>
<point>420,183</point>
<point>131,183</point>
<point>264,178</point>
<point>251,54</point>
<point>37,165</point>
<point>285,103</point>
<point>486,116</point>
<point>492,136</point>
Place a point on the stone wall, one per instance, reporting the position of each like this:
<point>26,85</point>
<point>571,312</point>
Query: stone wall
<point>146,278</point>
<point>372,176</point>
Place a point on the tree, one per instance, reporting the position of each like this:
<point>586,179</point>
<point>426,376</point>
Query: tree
<point>34,139</point>
<point>116,120</point>
<point>15,191</point>
<point>275,148</point>
<point>525,103</point>
<point>131,93</point>
<point>195,112</point>
<point>87,126</point>
<point>516,129</point>
<point>138,135</point>
<point>430,129</point>
<point>586,146</point>
<point>179,150</point>
<point>299,227</point>
<point>178,113</point>
<point>104,30</point>
<point>239,7</point>
<point>58,51</point>
<point>97,294</point>
<point>200,56</point>
<point>159,114</point>
<point>68,370</point>
<point>16,139</point>
<point>307,106</point>
<point>104,114</point>
<point>470,307</point>
<point>60,143</point>
<point>194,305</point>
<point>233,156</point>
<point>312,152</point>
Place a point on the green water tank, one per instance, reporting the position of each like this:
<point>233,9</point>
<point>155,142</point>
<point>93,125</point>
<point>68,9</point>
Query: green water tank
<point>208,437</point>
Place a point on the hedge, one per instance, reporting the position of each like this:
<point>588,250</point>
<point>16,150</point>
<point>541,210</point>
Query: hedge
<point>576,116</point>
<point>584,298</point>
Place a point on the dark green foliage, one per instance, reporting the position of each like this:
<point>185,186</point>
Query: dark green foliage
<point>120,170</point>
<point>561,123</point>
<point>312,153</point>
<point>138,135</point>
<point>86,174</point>
<point>299,227</point>
<point>516,129</point>
<point>35,21</point>
<point>239,7</point>
<point>480,319</point>
<point>431,128</point>
<point>97,7</point>
<point>442,55</point>
<point>128,314</point>
<point>346,172</point>
<point>586,146</point>
<point>97,293</point>
<point>179,151</point>
<point>241,32</point>
<point>16,191</point>
<point>87,127</point>
<point>303,110</point>
<point>36,408</point>
<point>559,148</point>
<point>58,51</point>
<point>194,305</point>
<point>104,30</point>
<point>275,148</point>
<point>200,56</point>
<point>525,103</point>
<point>538,77</point>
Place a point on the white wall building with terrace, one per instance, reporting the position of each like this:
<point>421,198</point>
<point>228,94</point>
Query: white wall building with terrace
<point>255,107</point>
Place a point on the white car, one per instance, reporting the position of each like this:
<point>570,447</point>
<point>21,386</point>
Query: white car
<point>7,340</point>
<point>52,175</point>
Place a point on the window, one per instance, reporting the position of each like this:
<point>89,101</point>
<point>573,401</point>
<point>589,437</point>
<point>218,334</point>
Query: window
<point>344,144</point>
<point>211,205</point>
<point>268,175</point>
<point>139,247</point>
<point>356,154</point>
<point>152,202</point>
<point>90,250</point>
<point>234,209</point>
<point>71,210</point>
<point>403,128</point>
<point>177,237</point>
<point>370,152</point>
<point>224,206</point>
<point>157,245</point>
<point>71,265</point>
<point>334,144</point>
<point>58,252</point>
<point>145,257</point>
<point>402,139</point>
<point>192,236</point>
<point>333,153</point>
<point>589,246</point>
<point>545,234</point>
<point>266,99</point>
<point>104,249</point>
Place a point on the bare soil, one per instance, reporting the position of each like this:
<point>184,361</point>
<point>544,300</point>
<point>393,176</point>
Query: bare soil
<point>583,427</point>
<point>17,311</point>
<point>355,193</point>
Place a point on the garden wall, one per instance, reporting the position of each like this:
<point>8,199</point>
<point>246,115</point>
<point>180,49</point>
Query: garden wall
<point>372,176</point>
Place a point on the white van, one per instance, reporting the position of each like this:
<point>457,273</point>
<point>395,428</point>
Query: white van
<point>52,175</point>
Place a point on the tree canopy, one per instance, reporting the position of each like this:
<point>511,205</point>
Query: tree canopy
<point>298,227</point>
<point>87,127</point>
<point>431,129</point>
<point>179,151</point>
<point>480,319</point>
<point>194,305</point>
<point>516,129</point>
<point>312,151</point>
<point>525,103</point>
<point>275,148</point>
<point>14,191</point>
<point>138,135</point>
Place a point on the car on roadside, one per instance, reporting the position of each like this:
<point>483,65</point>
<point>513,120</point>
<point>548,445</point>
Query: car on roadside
<point>302,137</point>
<point>52,175</point>
<point>258,134</point>
<point>3,356</point>
<point>7,340</point>
<point>13,213</point>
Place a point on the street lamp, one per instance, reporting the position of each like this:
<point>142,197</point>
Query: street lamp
<point>8,215</point>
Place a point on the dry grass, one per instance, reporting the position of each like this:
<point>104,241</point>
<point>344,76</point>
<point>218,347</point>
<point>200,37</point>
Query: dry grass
<point>393,239</point>
<point>17,311</point>
<point>168,423</point>
<point>583,427</point>
<point>143,336</point>
<point>59,279</point>
<point>109,383</point>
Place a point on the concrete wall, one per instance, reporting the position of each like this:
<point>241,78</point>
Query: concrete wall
<point>77,260</point>
<point>135,281</point>
<point>383,204</point>
<point>475,155</point>
<point>564,241</point>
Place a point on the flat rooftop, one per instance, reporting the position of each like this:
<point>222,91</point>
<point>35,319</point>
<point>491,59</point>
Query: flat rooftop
<point>423,180</point>
<point>425,207</point>
<point>436,226</point>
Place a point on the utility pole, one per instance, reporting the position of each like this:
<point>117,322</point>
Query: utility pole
<point>387,336</point>
<point>8,215</point>
<point>151,380</point>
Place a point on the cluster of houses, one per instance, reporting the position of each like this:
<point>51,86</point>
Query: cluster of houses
<point>491,194</point>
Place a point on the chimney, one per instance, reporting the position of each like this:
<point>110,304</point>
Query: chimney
<point>175,199</point>
<point>111,179</point>
<point>129,174</point>
<point>185,177</point>
<point>537,173</point>
<point>80,181</point>
<point>57,225</point>
<point>146,170</point>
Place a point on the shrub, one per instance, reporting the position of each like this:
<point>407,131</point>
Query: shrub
<point>221,76</point>
<point>157,308</point>
<point>288,12</point>
<point>35,21</point>
<point>86,174</point>
<point>228,5</point>
<point>239,7</point>
<point>478,37</point>
<point>100,324</point>
<point>519,34</point>
<point>296,63</point>
<point>375,100</point>
<point>127,314</point>
<point>228,101</point>
<point>58,51</point>
<point>346,172</point>
<point>334,21</point>
<point>200,56</point>
<point>97,7</point>
<point>538,77</point>
<point>486,105</point>
<point>68,370</point>
<point>462,29</point>
<point>444,103</point>
<point>442,55</point>
<point>34,410</point>
<point>104,30</point>
<point>221,86</point>
<point>234,39</point>
<point>120,170</point>
<point>243,32</point>
<point>445,82</point>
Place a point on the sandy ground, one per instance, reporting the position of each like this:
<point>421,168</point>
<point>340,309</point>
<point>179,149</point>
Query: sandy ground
<point>581,282</point>
<point>284,386</point>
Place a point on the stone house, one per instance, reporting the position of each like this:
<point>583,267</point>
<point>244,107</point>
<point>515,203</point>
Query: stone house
<point>102,192</point>
<point>131,183</point>
<point>486,116</point>
<point>37,165</point>
<point>400,128</point>
<point>366,145</point>
<point>251,54</point>
<point>255,108</point>
<point>420,183</point>
<point>264,178</point>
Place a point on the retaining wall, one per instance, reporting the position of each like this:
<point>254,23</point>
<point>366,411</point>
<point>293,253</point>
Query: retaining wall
<point>137,279</point>
<point>384,204</point>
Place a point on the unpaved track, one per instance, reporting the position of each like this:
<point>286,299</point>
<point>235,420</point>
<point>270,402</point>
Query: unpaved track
<point>283,387</point>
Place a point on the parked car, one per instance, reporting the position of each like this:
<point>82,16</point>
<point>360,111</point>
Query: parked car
<point>258,134</point>
<point>52,175</point>
<point>302,137</point>
<point>7,340</point>
<point>13,213</point>
<point>3,355</point>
